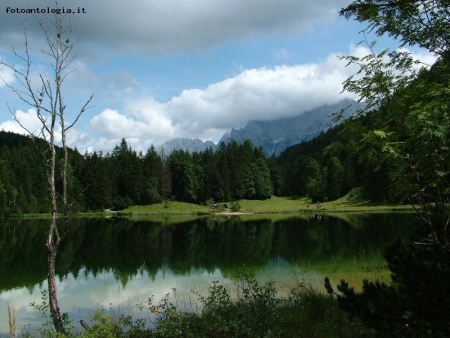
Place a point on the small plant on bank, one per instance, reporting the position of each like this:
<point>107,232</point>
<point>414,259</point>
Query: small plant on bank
<point>107,326</point>
<point>47,329</point>
<point>256,311</point>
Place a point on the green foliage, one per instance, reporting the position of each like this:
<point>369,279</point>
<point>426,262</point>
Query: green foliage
<point>408,135</point>
<point>184,175</point>
<point>123,178</point>
<point>335,179</point>
<point>314,181</point>
<point>410,130</point>
<point>256,311</point>
<point>107,326</point>
<point>47,328</point>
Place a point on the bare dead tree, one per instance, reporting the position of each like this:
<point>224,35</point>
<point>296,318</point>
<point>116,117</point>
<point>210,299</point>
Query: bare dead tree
<point>46,97</point>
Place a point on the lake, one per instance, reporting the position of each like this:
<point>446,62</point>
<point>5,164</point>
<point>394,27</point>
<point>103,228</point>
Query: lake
<point>116,263</point>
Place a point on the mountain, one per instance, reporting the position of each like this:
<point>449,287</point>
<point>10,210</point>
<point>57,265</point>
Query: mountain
<point>273,136</point>
<point>190,145</point>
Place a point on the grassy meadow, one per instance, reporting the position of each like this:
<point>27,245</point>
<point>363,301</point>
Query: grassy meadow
<point>353,202</point>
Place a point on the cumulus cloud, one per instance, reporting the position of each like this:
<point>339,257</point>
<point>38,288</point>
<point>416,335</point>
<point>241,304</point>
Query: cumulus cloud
<point>114,124</point>
<point>27,119</point>
<point>27,122</point>
<point>158,27</point>
<point>262,93</point>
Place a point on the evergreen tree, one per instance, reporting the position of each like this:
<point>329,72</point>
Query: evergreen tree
<point>334,179</point>
<point>263,183</point>
<point>151,177</point>
<point>96,178</point>
<point>183,173</point>
<point>314,181</point>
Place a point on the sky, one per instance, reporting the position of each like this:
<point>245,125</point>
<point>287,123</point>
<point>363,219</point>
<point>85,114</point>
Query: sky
<point>162,69</point>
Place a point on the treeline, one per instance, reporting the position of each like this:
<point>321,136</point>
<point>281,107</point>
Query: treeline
<point>325,168</point>
<point>125,177</point>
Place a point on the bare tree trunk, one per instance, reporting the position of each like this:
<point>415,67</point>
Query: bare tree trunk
<point>53,243</point>
<point>52,295</point>
<point>48,102</point>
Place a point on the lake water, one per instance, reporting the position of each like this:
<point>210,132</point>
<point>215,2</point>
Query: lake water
<point>116,263</point>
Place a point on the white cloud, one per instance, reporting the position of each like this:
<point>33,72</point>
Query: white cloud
<point>27,119</point>
<point>151,127</point>
<point>28,122</point>
<point>263,93</point>
<point>114,125</point>
<point>260,93</point>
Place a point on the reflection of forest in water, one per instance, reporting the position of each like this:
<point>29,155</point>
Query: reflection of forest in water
<point>127,246</point>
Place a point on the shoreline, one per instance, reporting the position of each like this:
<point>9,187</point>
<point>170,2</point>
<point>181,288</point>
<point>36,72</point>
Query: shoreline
<point>275,205</point>
<point>169,213</point>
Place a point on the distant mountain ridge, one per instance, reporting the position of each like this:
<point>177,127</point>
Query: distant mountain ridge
<point>273,136</point>
<point>187,144</point>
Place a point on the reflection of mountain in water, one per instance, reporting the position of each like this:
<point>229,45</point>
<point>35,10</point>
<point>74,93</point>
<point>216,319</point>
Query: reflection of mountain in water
<point>126,247</point>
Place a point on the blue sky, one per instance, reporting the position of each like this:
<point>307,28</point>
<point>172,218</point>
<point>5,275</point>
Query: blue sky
<point>192,68</point>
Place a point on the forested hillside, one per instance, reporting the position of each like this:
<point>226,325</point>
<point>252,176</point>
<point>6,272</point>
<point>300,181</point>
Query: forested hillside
<point>324,168</point>
<point>125,177</point>
<point>331,165</point>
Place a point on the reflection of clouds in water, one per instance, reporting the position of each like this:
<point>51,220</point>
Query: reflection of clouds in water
<point>106,291</point>
<point>81,296</point>
<point>20,299</point>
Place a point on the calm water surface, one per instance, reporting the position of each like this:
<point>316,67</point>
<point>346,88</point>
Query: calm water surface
<point>116,263</point>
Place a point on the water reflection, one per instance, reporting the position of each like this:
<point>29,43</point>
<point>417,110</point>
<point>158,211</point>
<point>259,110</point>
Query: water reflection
<point>116,262</point>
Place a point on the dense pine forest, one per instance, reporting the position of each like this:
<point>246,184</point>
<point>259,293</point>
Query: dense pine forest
<point>346,157</point>
<point>323,169</point>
